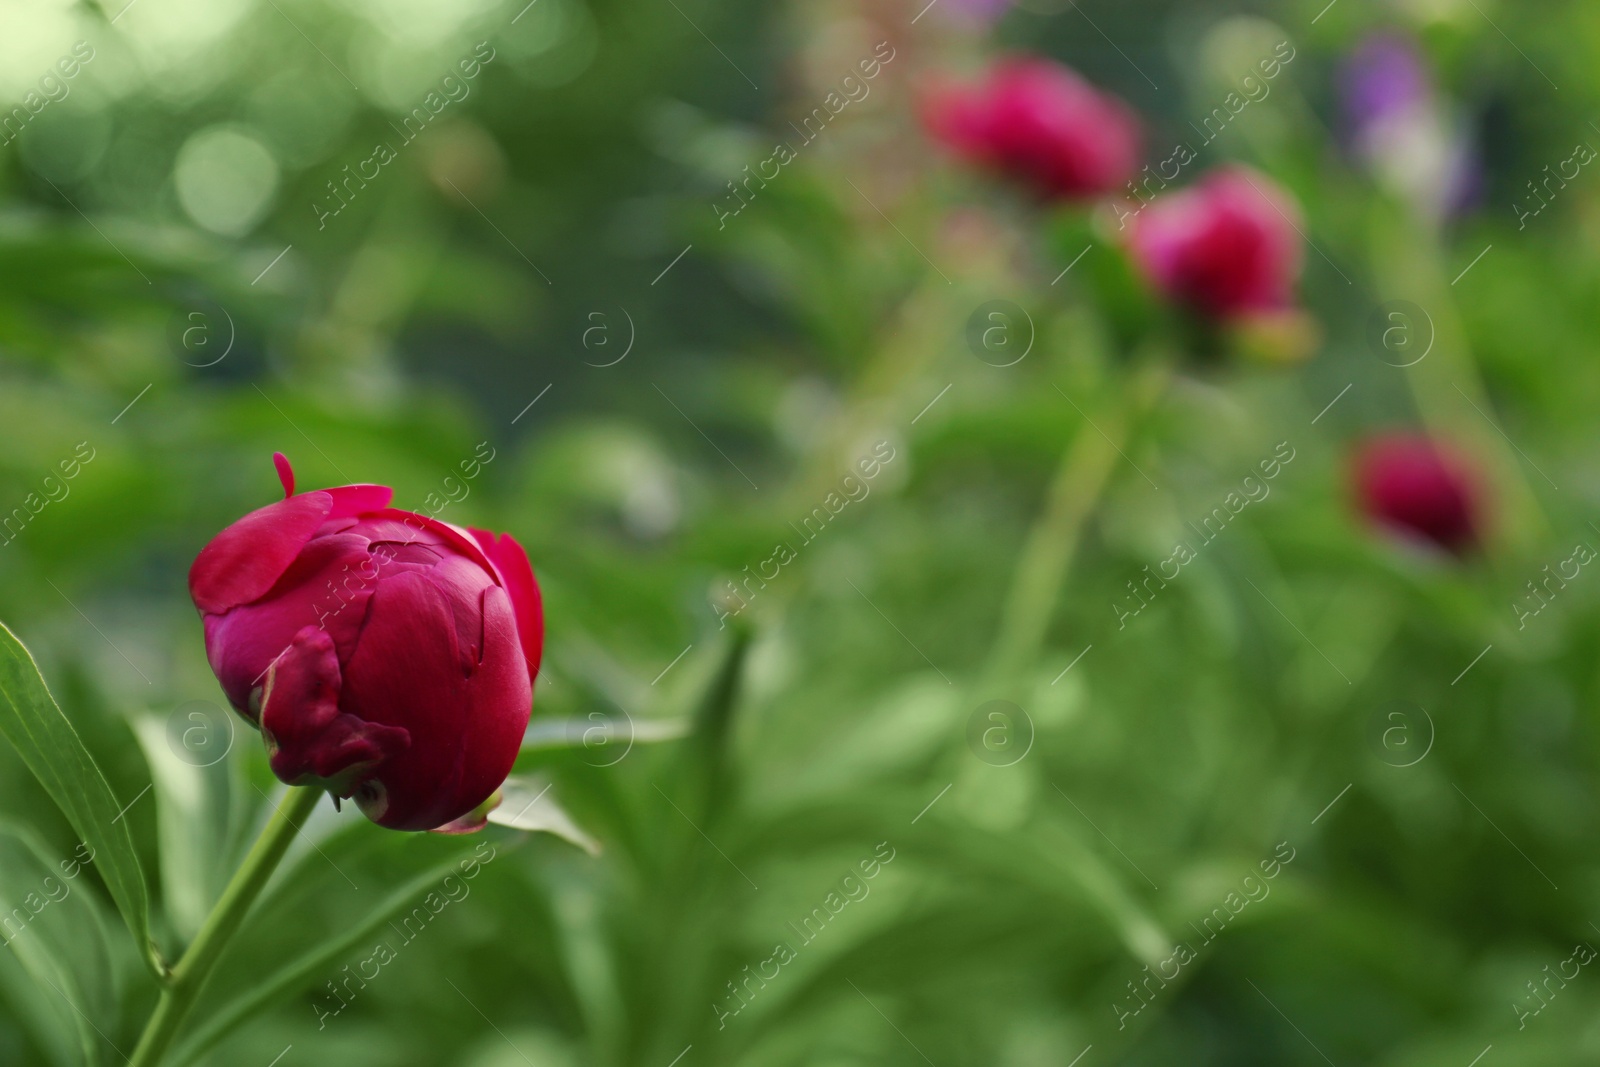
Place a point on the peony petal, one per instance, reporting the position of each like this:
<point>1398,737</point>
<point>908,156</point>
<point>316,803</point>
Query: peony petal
<point>350,500</point>
<point>463,537</point>
<point>472,821</point>
<point>1420,489</point>
<point>309,740</point>
<point>516,575</point>
<point>285,473</point>
<point>327,586</point>
<point>465,728</point>
<point>421,526</point>
<point>243,561</point>
<point>1040,122</point>
<point>1228,246</point>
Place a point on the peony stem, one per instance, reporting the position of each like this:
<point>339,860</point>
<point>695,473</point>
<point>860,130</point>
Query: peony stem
<point>1448,386</point>
<point>1053,541</point>
<point>190,974</point>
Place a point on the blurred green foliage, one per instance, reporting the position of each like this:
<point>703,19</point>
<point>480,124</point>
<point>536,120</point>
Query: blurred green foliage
<point>453,301</point>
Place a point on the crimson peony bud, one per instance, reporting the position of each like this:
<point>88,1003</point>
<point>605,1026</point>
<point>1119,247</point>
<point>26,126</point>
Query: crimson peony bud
<point>1226,247</point>
<point>384,655</point>
<point>1420,490</point>
<point>1039,122</point>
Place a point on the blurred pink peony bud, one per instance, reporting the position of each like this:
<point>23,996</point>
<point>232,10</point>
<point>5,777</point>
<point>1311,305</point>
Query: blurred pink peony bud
<point>384,655</point>
<point>1226,247</point>
<point>1041,123</point>
<point>1420,490</point>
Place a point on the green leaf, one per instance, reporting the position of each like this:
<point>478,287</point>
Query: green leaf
<point>599,730</point>
<point>526,804</point>
<point>53,928</point>
<point>196,806</point>
<point>306,970</point>
<point>56,755</point>
<point>321,914</point>
<point>39,1012</point>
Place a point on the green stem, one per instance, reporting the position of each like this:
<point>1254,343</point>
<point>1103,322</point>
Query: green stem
<point>1053,541</point>
<point>1450,394</point>
<point>191,972</point>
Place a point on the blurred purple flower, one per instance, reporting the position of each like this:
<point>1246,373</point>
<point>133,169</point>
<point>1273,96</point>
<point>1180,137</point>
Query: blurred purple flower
<point>1401,131</point>
<point>1384,77</point>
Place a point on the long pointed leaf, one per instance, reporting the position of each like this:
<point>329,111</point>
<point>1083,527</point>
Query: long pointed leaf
<point>597,732</point>
<point>51,925</point>
<point>194,810</point>
<point>53,751</point>
<point>301,973</point>
<point>525,805</point>
<point>313,919</point>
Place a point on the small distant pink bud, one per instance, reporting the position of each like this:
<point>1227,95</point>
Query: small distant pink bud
<point>1040,123</point>
<point>1226,247</point>
<point>1421,490</point>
